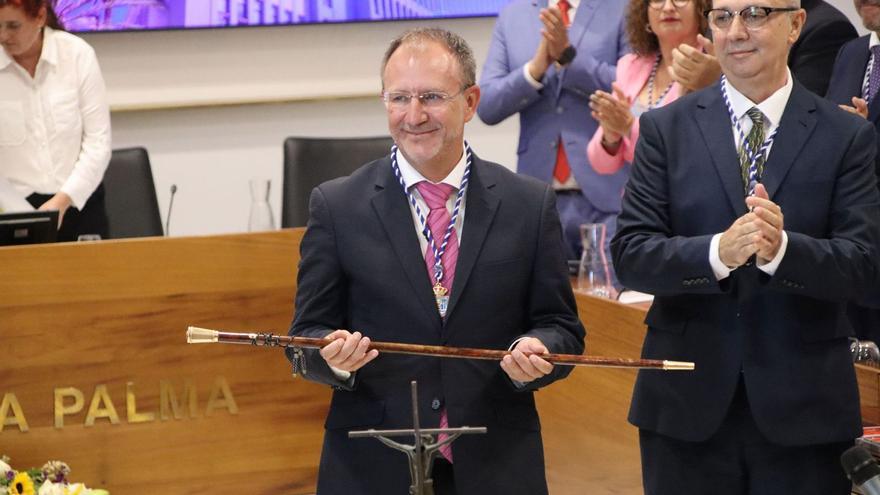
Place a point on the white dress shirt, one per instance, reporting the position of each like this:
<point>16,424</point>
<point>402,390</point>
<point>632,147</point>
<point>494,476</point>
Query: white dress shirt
<point>772,108</point>
<point>55,126</point>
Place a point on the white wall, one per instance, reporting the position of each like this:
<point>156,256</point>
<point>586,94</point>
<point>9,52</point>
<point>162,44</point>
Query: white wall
<point>211,152</point>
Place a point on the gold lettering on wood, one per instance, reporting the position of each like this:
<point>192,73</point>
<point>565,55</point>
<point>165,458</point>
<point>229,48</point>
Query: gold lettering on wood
<point>61,409</point>
<point>221,387</point>
<point>97,411</point>
<point>10,402</point>
<point>131,407</point>
<point>168,404</point>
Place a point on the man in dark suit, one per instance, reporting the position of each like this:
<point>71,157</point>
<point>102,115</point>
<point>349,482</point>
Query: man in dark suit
<point>851,89</point>
<point>752,236</point>
<point>824,32</point>
<point>490,273</point>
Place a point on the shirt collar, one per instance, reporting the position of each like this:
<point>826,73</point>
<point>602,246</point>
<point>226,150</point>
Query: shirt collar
<point>50,47</point>
<point>873,40</point>
<point>574,3</point>
<point>5,59</point>
<point>772,107</point>
<point>411,176</point>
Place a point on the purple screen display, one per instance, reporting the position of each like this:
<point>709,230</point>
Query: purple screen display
<point>124,15</point>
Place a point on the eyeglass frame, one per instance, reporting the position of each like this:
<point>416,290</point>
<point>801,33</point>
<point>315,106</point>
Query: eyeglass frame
<point>662,3</point>
<point>444,97</point>
<point>733,15</point>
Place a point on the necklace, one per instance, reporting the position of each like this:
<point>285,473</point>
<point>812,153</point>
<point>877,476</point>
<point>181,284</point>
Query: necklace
<point>651,102</point>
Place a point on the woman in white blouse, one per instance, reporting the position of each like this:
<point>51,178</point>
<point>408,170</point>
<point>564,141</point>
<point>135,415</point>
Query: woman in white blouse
<point>54,118</point>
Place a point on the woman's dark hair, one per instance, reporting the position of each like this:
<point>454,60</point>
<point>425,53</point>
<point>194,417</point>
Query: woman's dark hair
<point>644,42</point>
<point>32,9</point>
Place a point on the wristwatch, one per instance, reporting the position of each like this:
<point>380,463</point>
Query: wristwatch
<point>567,55</point>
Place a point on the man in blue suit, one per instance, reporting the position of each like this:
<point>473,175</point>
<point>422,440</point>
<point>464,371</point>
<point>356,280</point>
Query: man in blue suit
<point>363,276</point>
<point>548,79</point>
<point>752,215</point>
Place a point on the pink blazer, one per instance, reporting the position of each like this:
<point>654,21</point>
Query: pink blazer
<point>632,75</point>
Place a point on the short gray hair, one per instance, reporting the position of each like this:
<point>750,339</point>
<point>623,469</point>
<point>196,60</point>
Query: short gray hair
<point>455,44</point>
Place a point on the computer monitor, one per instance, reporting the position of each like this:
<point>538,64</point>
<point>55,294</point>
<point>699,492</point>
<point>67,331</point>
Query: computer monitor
<point>29,227</point>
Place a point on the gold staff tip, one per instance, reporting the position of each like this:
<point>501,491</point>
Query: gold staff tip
<point>678,366</point>
<point>196,335</point>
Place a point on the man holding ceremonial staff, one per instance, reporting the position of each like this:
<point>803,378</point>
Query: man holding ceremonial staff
<point>752,214</point>
<point>432,245</point>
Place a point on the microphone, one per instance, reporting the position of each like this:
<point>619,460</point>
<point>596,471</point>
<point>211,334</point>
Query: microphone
<point>862,469</point>
<point>170,204</point>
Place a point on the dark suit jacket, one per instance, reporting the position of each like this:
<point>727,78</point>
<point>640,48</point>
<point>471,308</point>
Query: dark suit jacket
<point>825,31</point>
<point>362,269</point>
<point>846,82</point>
<point>785,336</point>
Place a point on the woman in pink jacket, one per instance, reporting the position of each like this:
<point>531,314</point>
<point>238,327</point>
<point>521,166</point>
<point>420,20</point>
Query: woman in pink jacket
<point>656,31</point>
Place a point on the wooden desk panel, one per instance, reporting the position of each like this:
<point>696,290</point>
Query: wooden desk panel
<point>114,312</point>
<point>588,444</point>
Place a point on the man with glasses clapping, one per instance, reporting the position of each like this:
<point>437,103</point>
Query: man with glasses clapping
<point>752,213</point>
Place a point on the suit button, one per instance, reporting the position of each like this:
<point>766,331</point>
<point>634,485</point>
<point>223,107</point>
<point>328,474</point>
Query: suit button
<point>435,404</point>
<point>560,110</point>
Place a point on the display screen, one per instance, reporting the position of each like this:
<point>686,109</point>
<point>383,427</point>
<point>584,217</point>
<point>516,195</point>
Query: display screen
<point>138,15</point>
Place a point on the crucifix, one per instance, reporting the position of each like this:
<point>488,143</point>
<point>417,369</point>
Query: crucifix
<point>423,451</point>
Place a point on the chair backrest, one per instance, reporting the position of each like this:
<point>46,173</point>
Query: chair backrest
<point>310,161</point>
<point>130,195</point>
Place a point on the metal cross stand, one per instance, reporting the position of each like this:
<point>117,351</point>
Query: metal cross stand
<point>423,451</point>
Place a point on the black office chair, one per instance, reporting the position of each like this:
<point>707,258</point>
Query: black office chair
<point>130,195</point>
<point>310,161</point>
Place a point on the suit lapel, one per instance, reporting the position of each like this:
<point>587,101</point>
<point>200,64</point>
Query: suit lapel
<point>482,204</point>
<point>795,128</point>
<point>714,124</point>
<point>394,214</point>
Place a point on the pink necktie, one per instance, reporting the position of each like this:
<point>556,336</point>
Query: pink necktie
<point>435,196</point>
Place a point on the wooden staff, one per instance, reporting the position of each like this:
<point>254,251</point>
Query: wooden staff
<point>196,335</point>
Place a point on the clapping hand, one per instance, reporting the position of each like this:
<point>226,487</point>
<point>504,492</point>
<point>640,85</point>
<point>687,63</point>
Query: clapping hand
<point>612,111</point>
<point>693,69</point>
<point>860,107</point>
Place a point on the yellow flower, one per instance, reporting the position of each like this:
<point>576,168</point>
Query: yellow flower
<point>21,485</point>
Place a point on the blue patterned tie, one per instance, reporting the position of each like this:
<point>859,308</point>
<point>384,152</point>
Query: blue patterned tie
<point>874,80</point>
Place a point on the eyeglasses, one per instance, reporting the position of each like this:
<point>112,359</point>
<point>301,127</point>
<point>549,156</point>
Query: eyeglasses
<point>753,17</point>
<point>398,100</point>
<point>659,4</point>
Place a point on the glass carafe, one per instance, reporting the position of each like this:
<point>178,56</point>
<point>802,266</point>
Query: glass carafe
<point>261,212</point>
<point>594,272</point>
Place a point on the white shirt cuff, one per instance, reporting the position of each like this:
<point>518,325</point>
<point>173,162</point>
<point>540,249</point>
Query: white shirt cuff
<point>720,270</point>
<point>770,268</point>
<point>341,374</point>
<point>531,80</point>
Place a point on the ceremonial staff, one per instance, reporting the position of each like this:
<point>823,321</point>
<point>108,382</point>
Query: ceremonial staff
<point>196,335</point>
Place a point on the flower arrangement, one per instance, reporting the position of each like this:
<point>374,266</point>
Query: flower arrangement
<point>51,479</point>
